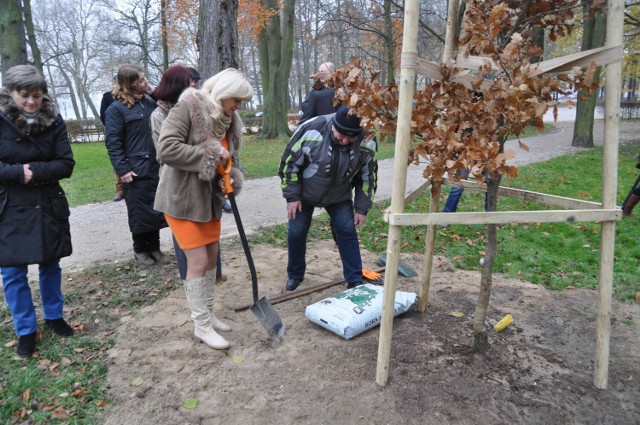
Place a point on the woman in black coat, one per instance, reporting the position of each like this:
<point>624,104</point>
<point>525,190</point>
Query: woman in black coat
<point>133,156</point>
<point>34,214</point>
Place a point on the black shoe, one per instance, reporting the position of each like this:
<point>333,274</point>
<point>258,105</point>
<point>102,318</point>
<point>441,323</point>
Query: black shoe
<point>59,326</point>
<point>27,345</point>
<point>119,197</point>
<point>292,284</point>
<point>353,285</point>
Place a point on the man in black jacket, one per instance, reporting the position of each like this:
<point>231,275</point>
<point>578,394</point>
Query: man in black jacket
<point>328,164</point>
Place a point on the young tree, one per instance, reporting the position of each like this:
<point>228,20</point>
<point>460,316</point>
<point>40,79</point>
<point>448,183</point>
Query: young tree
<point>460,123</point>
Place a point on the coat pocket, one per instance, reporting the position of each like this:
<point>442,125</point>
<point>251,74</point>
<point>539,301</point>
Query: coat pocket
<point>59,204</point>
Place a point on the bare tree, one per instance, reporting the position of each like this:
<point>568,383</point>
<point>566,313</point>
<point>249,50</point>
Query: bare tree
<point>13,48</point>
<point>594,27</point>
<point>218,36</point>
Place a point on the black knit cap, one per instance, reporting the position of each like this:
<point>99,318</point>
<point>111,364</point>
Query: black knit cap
<point>346,124</point>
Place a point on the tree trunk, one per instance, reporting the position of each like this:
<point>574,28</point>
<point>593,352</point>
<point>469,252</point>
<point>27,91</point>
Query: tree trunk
<point>13,48</point>
<point>31,35</point>
<point>390,45</point>
<point>218,43</point>
<point>480,338</point>
<point>275,47</point>
<point>165,35</point>
<point>593,36</point>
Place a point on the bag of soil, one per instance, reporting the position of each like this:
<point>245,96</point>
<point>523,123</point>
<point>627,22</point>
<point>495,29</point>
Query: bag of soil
<point>355,310</point>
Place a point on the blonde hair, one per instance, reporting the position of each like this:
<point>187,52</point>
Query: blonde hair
<point>126,79</point>
<point>226,84</point>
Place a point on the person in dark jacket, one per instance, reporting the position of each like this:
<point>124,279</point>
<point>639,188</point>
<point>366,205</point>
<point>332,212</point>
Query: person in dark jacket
<point>35,154</point>
<point>634,197</point>
<point>133,156</point>
<point>319,101</point>
<point>107,100</point>
<point>324,163</point>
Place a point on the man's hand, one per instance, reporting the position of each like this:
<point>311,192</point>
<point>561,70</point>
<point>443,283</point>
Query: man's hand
<point>293,208</point>
<point>359,219</point>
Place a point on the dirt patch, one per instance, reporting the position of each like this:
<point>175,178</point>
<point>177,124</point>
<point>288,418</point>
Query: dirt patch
<point>539,370</point>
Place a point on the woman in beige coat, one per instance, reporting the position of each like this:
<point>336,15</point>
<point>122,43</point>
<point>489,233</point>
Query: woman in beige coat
<point>202,129</point>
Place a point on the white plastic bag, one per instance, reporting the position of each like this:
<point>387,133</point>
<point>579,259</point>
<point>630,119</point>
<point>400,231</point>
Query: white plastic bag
<point>355,310</point>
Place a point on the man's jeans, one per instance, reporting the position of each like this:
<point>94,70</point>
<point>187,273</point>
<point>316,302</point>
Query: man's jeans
<point>346,237</point>
<point>18,295</point>
<point>451,204</point>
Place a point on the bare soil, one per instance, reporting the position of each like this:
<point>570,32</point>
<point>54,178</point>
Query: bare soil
<point>538,371</point>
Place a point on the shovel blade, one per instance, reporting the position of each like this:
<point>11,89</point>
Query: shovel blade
<point>268,318</point>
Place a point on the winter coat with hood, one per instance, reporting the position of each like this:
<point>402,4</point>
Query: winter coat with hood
<point>189,151</point>
<point>34,217</point>
<point>316,169</point>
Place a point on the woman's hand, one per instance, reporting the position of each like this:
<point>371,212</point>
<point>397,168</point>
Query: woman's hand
<point>221,184</point>
<point>28,174</point>
<point>224,155</point>
<point>128,178</point>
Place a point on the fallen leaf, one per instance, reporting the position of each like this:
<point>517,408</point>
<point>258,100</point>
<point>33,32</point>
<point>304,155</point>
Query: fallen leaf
<point>638,296</point>
<point>78,393</point>
<point>569,287</point>
<point>11,343</point>
<point>137,382</point>
<point>27,394</point>
<point>190,403</point>
<point>238,359</point>
<point>100,403</point>
<point>60,414</point>
<point>457,314</point>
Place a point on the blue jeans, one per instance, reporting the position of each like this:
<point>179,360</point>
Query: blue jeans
<point>451,204</point>
<point>18,295</point>
<point>346,237</point>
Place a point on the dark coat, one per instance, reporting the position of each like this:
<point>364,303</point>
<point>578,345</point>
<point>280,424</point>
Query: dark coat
<point>130,147</point>
<point>318,102</point>
<point>34,218</point>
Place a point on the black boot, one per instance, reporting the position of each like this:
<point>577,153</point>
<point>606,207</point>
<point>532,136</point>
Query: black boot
<point>27,345</point>
<point>59,326</point>
<point>628,207</point>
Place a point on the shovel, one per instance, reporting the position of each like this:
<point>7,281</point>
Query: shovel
<point>261,308</point>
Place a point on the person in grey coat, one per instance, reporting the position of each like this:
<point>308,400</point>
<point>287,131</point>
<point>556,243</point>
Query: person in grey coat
<point>35,154</point>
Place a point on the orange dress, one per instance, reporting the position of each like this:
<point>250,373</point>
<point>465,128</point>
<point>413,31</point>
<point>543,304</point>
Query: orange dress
<point>192,234</point>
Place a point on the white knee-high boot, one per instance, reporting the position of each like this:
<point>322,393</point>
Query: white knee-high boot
<point>218,324</point>
<point>196,291</point>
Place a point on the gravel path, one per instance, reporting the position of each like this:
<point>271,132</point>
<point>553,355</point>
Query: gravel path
<point>100,232</point>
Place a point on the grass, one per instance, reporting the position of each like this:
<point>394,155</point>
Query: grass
<point>555,255</point>
<point>94,180</point>
<point>66,381</point>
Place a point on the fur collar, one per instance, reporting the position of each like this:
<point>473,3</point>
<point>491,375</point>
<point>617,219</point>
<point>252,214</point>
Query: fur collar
<point>203,126</point>
<point>43,120</point>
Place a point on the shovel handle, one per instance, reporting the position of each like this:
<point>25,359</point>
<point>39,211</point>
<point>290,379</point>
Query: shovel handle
<point>224,172</point>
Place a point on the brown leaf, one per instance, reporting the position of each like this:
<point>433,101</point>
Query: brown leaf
<point>60,414</point>
<point>26,395</point>
<point>78,393</point>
